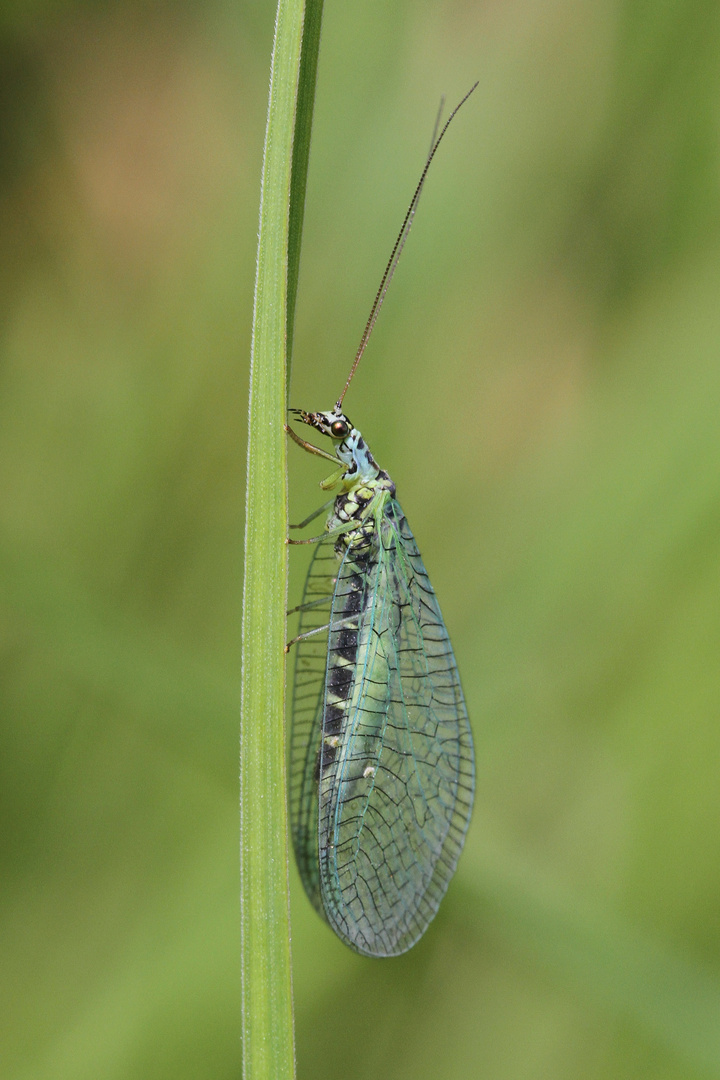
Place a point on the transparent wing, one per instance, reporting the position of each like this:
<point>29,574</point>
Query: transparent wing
<point>396,790</point>
<point>306,726</point>
<point>325,671</point>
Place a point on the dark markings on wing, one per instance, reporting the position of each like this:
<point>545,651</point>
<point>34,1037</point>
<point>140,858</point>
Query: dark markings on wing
<point>324,675</point>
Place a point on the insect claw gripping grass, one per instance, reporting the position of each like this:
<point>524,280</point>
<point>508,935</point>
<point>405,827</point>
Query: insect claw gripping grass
<point>382,771</point>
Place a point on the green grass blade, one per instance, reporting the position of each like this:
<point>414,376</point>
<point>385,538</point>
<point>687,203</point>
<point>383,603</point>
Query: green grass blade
<point>301,153</point>
<point>267,1019</point>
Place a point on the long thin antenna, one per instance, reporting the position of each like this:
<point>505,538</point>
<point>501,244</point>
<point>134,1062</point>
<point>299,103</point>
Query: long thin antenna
<point>400,243</point>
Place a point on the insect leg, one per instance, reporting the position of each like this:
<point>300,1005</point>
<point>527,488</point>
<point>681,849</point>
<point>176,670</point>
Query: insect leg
<point>371,508</point>
<point>306,635</point>
<point>315,513</point>
<point>333,480</point>
<point>311,604</point>
<point>309,446</point>
<point>317,630</point>
<point>345,527</point>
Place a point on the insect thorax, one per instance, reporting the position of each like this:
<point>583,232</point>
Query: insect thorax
<point>354,505</point>
<point>364,482</point>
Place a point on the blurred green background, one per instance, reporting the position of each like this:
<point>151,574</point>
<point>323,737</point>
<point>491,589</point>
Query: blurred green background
<point>544,387</point>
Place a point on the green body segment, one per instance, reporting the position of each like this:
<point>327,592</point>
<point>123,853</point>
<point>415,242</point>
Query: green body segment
<point>382,766</point>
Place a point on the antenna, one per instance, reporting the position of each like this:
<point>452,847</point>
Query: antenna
<point>400,243</point>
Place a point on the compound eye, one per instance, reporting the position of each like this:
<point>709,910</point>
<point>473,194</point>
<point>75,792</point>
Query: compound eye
<point>339,429</point>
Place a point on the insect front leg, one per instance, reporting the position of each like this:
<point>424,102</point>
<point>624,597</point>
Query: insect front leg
<point>311,449</point>
<point>333,480</point>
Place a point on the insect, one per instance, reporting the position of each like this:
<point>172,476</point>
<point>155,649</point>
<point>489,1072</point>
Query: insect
<point>382,770</point>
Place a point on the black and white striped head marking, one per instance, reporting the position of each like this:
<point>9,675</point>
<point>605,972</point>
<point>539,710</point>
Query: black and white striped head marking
<point>350,447</point>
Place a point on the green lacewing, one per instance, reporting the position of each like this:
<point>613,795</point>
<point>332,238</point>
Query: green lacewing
<point>382,770</point>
